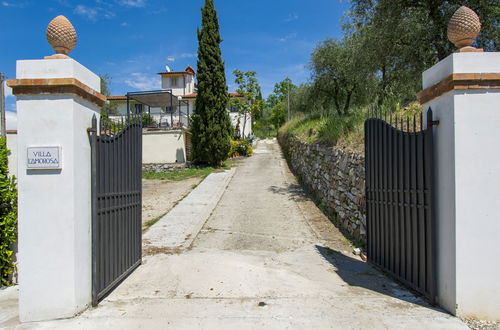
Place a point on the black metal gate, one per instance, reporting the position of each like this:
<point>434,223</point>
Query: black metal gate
<point>116,203</point>
<point>399,212</point>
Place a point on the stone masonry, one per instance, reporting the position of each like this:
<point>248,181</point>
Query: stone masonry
<point>336,179</point>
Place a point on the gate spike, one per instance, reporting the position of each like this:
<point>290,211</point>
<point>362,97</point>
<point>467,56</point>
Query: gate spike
<point>402,123</point>
<point>408,124</point>
<point>414,123</point>
<point>421,121</point>
<point>390,118</point>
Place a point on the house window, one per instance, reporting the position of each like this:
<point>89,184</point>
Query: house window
<point>233,108</point>
<point>173,82</point>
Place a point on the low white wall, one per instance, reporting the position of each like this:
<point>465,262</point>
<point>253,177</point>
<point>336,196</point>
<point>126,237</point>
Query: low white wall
<point>12,146</point>
<point>160,147</point>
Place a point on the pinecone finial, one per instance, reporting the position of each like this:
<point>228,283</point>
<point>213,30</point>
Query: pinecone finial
<point>463,29</point>
<point>61,35</point>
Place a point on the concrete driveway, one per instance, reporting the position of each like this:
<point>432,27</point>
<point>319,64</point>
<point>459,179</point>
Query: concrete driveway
<point>264,258</point>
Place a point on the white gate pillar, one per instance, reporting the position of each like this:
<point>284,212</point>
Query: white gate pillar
<point>56,99</point>
<point>463,91</point>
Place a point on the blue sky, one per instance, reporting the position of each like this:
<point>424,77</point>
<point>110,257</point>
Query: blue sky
<point>132,40</point>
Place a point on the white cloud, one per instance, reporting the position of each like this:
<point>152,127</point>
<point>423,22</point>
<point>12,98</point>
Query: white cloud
<point>124,24</point>
<point>11,120</point>
<point>288,37</point>
<point>132,3</point>
<point>92,13</point>
<point>87,12</point>
<point>188,55</point>
<point>291,17</point>
<point>170,59</point>
<point>12,4</point>
<point>7,90</point>
<point>143,82</point>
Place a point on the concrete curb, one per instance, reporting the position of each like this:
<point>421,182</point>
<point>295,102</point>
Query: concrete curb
<point>178,228</point>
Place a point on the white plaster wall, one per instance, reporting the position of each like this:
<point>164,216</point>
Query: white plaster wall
<point>444,199</point>
<point>248,126</point>
<point>467,177</point>
<point>461,63</point>
<point>160,147</point>
<point>477,175</point>
<point>12,146</point>
<point>54,205</point>
<point>69,68</point>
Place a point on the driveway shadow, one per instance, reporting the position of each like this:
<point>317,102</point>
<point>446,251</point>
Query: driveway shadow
<point>357,273</point>
<point>293,191</point>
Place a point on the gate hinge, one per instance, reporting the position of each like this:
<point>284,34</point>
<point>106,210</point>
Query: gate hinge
<point>433,123</point>
<point>91,130</point>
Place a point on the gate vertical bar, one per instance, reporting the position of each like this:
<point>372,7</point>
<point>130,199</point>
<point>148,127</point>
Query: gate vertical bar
<point>93,155</point>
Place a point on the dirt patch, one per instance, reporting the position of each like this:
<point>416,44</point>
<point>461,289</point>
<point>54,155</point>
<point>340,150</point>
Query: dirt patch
<point>149,250</point>
<point>160,196</point>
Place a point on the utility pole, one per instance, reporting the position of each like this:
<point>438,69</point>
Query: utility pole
<point>2,106</point>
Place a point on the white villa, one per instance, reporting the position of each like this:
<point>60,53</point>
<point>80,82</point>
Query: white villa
<point>172,106</point>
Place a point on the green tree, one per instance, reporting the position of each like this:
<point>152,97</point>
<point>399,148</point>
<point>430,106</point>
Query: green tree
<point>278,114</point>
<point>110,107</point>
<point>341,74</point>
<point>403,38</point>
<point>249,89</point>
<point>210,123</point>
<point>8,216</point>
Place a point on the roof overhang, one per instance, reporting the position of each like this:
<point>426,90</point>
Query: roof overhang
<point>154,99</point>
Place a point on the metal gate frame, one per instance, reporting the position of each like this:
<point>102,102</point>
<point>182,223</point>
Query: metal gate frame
<point>116,203</point>
<point>401,228</point>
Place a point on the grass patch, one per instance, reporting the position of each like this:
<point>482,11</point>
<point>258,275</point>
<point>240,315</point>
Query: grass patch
<point>342,131</point>
<point>187,173</point>
<point>151,222</point>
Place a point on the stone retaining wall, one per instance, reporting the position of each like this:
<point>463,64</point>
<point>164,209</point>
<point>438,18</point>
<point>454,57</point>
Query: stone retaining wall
<point>335,177</point>
<point>164,167</point>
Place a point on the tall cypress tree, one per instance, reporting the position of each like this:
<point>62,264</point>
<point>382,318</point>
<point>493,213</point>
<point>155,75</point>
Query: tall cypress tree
<point>210,125</point>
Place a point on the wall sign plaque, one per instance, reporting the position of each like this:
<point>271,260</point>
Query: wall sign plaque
<point>44,158</point>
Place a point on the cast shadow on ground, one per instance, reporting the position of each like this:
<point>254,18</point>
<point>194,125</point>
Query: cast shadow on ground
<point>293,191</point>
<point>361,274</point>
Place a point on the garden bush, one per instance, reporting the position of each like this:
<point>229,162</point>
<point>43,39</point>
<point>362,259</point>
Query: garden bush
<point>240,148</point>
<point>8,217</point>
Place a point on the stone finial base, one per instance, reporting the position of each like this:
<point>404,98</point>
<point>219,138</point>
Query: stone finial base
<point>57,57</point>
<point>469,49</point>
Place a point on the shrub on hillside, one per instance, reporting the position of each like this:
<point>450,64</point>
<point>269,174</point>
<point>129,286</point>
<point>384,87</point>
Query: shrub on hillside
<point>8,216</point>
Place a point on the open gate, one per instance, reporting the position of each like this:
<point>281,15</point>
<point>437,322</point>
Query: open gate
<point>116,203</point>
<point>399,211</point>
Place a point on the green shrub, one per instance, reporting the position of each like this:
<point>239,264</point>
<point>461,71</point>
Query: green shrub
<point>8,216</point>
<point>240,148</point>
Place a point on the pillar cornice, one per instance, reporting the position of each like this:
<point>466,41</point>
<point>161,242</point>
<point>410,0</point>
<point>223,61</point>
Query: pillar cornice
<point>56,86</point>
<point>460,81</point>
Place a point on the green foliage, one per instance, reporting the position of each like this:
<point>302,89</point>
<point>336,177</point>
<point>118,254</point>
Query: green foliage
<point>240,148</point>
<point>249,89</point>
<point>187,173</point>
<point>210,124</point>
<point>341,74</point>
<point>278,117</point>
<point>380,59</point>
<point>148,121</point>
<point>110,107</point>
<point>8,216</point>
